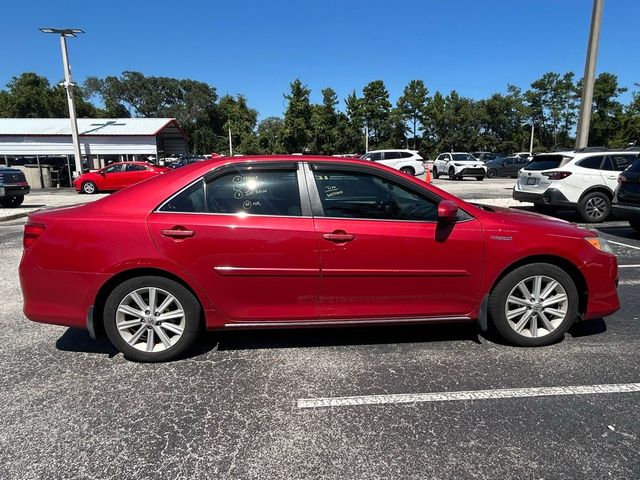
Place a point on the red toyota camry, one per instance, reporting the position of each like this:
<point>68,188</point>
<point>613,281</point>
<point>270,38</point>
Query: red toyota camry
<point>288,241</point>
<point>116,177</point>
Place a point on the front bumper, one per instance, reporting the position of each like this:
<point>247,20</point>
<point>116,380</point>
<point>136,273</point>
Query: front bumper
<point>472,172</point>
<point>601,275</point>
<point>550,196</point>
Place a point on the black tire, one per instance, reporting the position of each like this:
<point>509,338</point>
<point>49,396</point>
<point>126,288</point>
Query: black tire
<point>635,224</point>
<point>480,179</point>
<point>543,208</point>
<point>187,301</point>
<point>89,187</point>
<point>12,202</point>
<point>594,207</point>
<point>492,173</point>
<point>435,173</point>
<point>452,174</point>
<point>408,171</point>
<point>498,304</point>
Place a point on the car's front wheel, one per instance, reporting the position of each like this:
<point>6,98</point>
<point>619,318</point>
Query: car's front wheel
<point>534,305</point>
<point>492,173</point>
<point>479,178</point>
<point>89,187</point>
<point>12,202</point>
<point>152,319</point>
<point>452,174</point>
<point>436,175</point>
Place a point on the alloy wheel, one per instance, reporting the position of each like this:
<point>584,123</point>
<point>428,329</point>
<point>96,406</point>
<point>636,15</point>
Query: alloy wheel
<point>150,319</point>
<point>595,207</point>
<point>536,306</point>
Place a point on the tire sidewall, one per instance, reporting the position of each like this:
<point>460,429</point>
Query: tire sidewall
<point>508,282</point>
<point>95,188</point>
<point>407,171</point>
<point>190,305</point>
<point>583,204</point>
<point>492,173</point>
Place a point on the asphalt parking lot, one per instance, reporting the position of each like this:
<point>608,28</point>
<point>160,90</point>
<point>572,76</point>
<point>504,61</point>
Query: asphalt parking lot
<point>250,404</point>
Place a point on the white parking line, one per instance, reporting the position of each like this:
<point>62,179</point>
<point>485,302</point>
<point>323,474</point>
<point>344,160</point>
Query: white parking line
<point>628,266</point>
<point>624,245</point>
<point>629,282</point>
<point>468,395</point>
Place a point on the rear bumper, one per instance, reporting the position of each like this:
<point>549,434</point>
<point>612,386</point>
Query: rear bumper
<point>12,191</point>
<point>626,212</point>
<point>48,297</point>
<point>550,196</point>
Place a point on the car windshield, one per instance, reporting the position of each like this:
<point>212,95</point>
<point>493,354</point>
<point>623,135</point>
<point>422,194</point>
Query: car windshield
<point>463,156</point>
<point>546,162</point>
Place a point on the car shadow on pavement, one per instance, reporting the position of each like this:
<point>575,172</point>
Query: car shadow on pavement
<point>588,328</point>
<point>622,232</point>
<point>340,336</point>
<point>76,340</point>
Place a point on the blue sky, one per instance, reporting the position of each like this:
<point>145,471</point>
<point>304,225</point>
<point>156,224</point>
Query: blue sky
<point>257,47</point>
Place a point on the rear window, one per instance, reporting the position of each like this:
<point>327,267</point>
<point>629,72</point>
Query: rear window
<point>546,162</point>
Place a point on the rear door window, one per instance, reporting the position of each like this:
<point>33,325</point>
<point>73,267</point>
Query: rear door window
<point>619,162</point>
<point>391,155</point>
<point>591,162</point>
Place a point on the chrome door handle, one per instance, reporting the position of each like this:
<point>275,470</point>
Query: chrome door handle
<point>177,232</point>
<point>338,237</point>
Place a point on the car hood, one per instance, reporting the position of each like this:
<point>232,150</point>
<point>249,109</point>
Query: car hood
<point>549,225</point>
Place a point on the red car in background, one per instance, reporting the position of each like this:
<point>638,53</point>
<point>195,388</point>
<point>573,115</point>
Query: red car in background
<point>116,177</point>
<point>290,241</point>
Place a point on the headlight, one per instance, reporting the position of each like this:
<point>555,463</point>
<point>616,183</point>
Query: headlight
<point>599,243</point>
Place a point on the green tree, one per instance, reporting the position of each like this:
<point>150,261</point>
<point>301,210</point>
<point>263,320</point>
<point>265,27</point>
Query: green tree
<point>324,124</point>
<point>375,110</point>
<point>412,106</point>
<point>296,131</point>
<point>270,135</point>
<point>235,114</point>
<point>607,117</point>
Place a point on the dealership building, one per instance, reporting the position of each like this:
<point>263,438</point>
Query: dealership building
<point>46,142</point>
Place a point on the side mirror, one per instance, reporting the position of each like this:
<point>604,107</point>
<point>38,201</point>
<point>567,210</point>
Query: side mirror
<point>447,211</point>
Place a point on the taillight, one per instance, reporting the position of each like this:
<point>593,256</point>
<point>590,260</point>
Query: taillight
<point>621,178</point>
<point>556,175</point>
<point>31,233</point>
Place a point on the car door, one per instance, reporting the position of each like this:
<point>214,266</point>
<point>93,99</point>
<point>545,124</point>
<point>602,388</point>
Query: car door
<point>246,235</point>
<point>613,165</point>
<point>134,173</point>
<point>391,159</point>
<point>112,177</point>
<point>383,253</point>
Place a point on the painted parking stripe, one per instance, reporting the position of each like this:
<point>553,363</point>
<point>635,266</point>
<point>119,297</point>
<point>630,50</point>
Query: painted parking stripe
<point>628,266</point>
<point>624,245</point>
<point>501,393</point>
<point>629,282</point>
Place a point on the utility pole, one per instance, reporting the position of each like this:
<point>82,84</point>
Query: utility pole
<point>366,138</point>
<point>68,85</point>
<point>582,133</point>
<point>531,140</point>
<point>230,144</point>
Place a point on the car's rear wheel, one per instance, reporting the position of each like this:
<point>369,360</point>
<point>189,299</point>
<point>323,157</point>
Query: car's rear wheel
<point>408,170</point>
<point>492,173</point>
<point>89,187</point>
<point>594,207</point>
<point>635,224</point>
<point>152,319</point>
<point>11,202</point>
<point>534,305</point>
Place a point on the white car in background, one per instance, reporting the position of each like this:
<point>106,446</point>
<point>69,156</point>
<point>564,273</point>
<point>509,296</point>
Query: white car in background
<point>583,180</point>
<point>458,165</point>
<point>407,161</point>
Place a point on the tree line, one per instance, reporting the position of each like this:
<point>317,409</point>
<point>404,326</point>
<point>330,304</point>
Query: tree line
<point>418,120</point>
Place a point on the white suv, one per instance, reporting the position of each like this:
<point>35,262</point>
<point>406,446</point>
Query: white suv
<point>458,165</point>
<point>583,180</point>
<point>407,161</point>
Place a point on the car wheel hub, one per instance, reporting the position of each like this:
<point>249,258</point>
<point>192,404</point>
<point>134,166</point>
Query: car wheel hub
<point>150,319</point>
<point>536,306</point>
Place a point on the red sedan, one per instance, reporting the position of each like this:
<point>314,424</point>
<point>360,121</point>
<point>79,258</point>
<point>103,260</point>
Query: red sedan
<point>284,241</point>
<point>116,177</point>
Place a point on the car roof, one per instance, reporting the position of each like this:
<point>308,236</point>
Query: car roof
<point>393,150</point>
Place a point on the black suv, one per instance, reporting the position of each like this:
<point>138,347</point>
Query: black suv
<point>13,187</point>
<point>626,202</point>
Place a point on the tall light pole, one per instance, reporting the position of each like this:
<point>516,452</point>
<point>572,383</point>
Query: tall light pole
<point>68,85</point>
<point>582,133</point>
